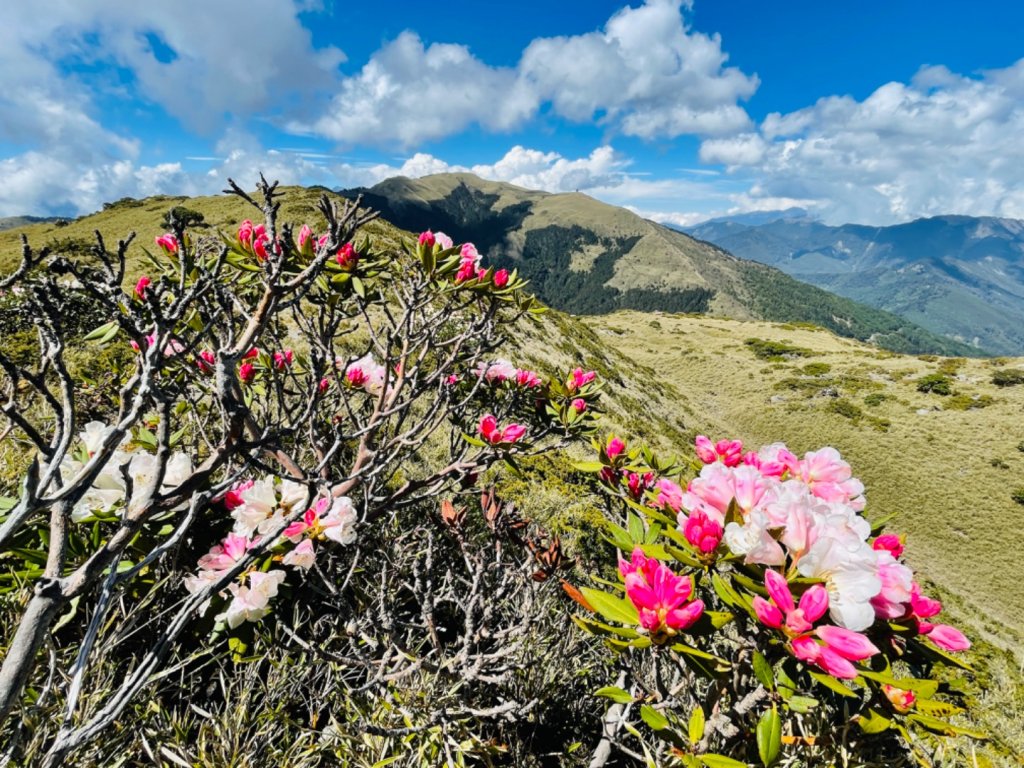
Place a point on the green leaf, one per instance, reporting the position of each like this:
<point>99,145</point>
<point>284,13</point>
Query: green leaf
<point>924,688</point>
<point>653,717</point>
<point>358,287</point>
<point>802,704</point>
<point>832,684</point>
<point>102,331</point>
<point>937,708</point>
<point>721,761</point>
<point>636,528</point>
<point>612,608</point>
<point>588,466</point>
<point>616,694</point>
<point>769,736</point>
<point>874,722</point>
<point>763,671</point>
<point>599,628</point>
<point>941,726</point>
<point>474,440</point>
<point>696,727</point>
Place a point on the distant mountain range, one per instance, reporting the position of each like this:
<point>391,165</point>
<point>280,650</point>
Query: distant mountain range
<point>958,276</point>
<point>586,257</point>
<point>10,222</point>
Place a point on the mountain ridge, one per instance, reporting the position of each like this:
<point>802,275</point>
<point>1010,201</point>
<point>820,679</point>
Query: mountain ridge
<point>588,257</point>
<point>959,276</point>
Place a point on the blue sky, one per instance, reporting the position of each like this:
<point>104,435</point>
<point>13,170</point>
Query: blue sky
<point>871,112</point>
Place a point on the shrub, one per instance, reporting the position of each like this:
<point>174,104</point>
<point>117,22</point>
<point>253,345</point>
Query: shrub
<point>1008,377</point>
<point>775,350</point>
<point>269,457</point>
<point>936,384</point>
<point>816,369</point>
<point>968,402</point>
<point>875,399</point>
<point>1018,495</point>
<point>186,218</point>
<point>845,408</point>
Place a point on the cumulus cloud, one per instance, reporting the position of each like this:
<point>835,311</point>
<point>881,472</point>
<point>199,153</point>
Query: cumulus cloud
<point>198,60</point>
<point>645,74</point>
<point>942,143</point>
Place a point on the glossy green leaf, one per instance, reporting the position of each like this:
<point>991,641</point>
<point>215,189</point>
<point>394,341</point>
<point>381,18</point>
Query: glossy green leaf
<point>611,607</point>
<point>616,694</point>
<point>763,671</point>
<point>874,722</point>
<point>832,684</point>
<point>769,736</point>
<point>695,729</point>
<point>721,761</point>
<point>653,717</point>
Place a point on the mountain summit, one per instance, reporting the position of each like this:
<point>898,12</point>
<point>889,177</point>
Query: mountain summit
<point>587,257</point>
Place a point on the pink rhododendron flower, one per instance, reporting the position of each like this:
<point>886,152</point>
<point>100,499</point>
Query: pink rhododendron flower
<point>729,452</point>
<point>427,239</point>
<point>323,385</point>
<point>579,379</point>
<point>638,484</point>
<point>252,602</point>
<point>669,495</point>
<point>614,448</point>
<point>347,257</point>
<point>494,435</point>
<point>579,405</point>
<point>168,243</point>
<point>306,240</point>
<point>781,612</point>
<point>944,636</point>
<point>500,278</point>
<point>702,532</point>
<point>897,580</point>
<point>141,286</point>
<point>339,520</point>
<point>283,359</point>
<point>889,542</point>
<point>247,372</point>
<point>253,239</point>
<point>302,556</point>
<point>206,361</point>
<point>366,373</point>
<point>252,353</point>
<point>443,240</point>
<point>902,701</point>
<point>233,498</point>
<point>835,655</point>
<point>497,372</point>
<point>224,555</point>
<point>829,478</point>
<point>662,599</point>
<point>528,379</point>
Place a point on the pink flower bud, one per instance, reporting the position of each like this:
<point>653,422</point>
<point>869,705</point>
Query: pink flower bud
<point>306,239</point>
<point>702,532</point>
<point>614,448</point>
<point>253,352</point>
<point>347,256</point>
<point>167,242</point>
<point>427,239</point>
<point>206,361</point>
<point>247,372</point>
<point>141,286</point>
<point>500,278</point>
<point>579,405</point>
<point>323,385</point>
<point>283,359</point>
<point>902,701</point>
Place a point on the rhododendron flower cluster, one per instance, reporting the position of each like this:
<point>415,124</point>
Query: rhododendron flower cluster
<point>253,239</point>
<point>664,600</point>
<point>502,370</point>
<point>108,490</point>
<point>366,373</point>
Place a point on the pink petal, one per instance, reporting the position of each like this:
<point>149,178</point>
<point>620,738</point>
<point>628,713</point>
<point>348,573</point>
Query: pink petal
<point>814,602</point>
<point>767,613</point>
<point>681,618</point>
<point>805,649</point>
<point>778,590</point>
<point>836,665</point>
<point>847,643</point>
<point>948,638</point>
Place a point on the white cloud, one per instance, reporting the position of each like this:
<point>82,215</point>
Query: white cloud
<point>645,74</point>
<point>199,60</point>
<point>943,143</point>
